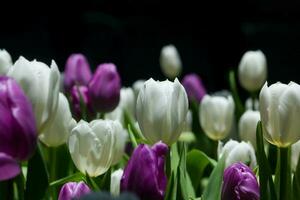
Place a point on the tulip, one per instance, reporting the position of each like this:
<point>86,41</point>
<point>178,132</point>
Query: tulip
<point>58,131</point>
<point>216,116</point>
<point>95,146</point>
<point>108,196</point>
<point>77,71</point>
<point>295,155</point>
<point>115,182</point>
<point>252,70</point>
<point>41,85</point>
<point>170,62</point>
<point>194,87</point>
<point>137,86</point>
<point>144,174</point>
<point>73,190</point>
<point>17,128</point>
<point>247,126</point>
<point>279,111</point>
<point>239,182</point>
<point>161,110</point>
<point>126,104</point>
<point>104,88</point>
<point>5,62</point>
<point>251,104</point>
<point>80,97</point>
<point>237,151</point>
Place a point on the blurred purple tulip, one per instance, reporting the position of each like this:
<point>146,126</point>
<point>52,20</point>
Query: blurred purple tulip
<point>77,71</point>
<point>9,167</point>
<point>78,92</point>
<point>193,87</point>
<point>18,134</point>
<point>144,174</point>
<point>239,183</point>
<point>104,88</point>
<point>73,190</point>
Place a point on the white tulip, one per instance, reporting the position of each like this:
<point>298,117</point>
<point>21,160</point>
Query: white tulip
<point>280,113</point>
<point>170,62</point>
<point>247,126</point>
<point>127,103</point>
<point>252,70</point>
<point>41,85</point>
<point>5,61</point>
<point>137,86</point>
<point>59,130</point>
<point>251,104</point>
<point>115,182</point>
<point>216,115</point>
<point>295,155</point>
<point>95,146</point>
<point>237,151</point>
<point>161,110</point>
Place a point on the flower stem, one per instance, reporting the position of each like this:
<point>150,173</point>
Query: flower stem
<point>283,174</point>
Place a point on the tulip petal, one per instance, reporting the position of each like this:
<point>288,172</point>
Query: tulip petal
<point>9,167</point>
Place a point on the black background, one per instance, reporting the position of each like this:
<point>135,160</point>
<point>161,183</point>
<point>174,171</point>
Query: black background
<point>211,36</point>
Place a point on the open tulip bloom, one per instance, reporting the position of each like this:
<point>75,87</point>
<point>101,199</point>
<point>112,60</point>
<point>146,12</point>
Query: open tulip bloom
<point>156,140</point>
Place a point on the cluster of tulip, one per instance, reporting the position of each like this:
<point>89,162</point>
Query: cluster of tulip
<point>81,135</point>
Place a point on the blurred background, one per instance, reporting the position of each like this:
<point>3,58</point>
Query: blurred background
<point>211,37</point>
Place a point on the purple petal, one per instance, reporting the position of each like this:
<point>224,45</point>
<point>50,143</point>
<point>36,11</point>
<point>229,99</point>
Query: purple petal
<point>72,190</point>
<point>9,167</point>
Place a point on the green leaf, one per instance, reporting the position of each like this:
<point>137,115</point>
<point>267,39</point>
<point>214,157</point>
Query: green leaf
<point>72,178</point>
<point>105,180</point>
<point>296,182</point>
<point>91,182</point>
<point>267,189</point>
<point>234,91</point>
<point>37,177</point>
<point>171,192</point>
<point>213,188</point>
<point>132,137</point>
<point>197,161</point>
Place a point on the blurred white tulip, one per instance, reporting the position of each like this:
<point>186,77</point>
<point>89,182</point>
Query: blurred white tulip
<point>295,155</point>
<point>137,86</point>
<point>247,126</point>
<point>5,61</point>
<point>115,182</point>
<point>170,62</point>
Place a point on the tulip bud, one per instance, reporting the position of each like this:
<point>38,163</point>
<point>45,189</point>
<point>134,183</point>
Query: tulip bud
<point>193,87</point>
<point>144,173</point>
<point>170,62</point>
<point>137,86</point>
<point>96,145</point>
<point>77,71</point>
<point>41,85</point>
<point>295,155</point>
<point>5,62</point>
<point>279,111</point>
<point>237,151</point>
<point>59,130</point>
<point>216,116</point>
<point>79,96</point>
<point>247,126</point>
<point>252,70</point>
<point>17,128</point>
<point>115,182</point>
<point>251,104</point>
<point>104,88</point>
<point>161,110</point>
<point>239,182</point>
<point>73,190</point>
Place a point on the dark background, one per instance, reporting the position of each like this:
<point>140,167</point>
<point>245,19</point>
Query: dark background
<point>211,37</point>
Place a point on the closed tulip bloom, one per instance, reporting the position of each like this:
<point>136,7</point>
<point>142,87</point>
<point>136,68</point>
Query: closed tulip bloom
<point>95,146</point>
<point>41,85</point>
<point>237,151</point>
<point>77,71</point>
<point>5,61</point>
<point>193,87</point>
<point>247,126</point>
<point>161,110</point>
<point>115,182</point>
<point>78,94</point>
<point>137,86</point>
<point>252,70</point>
<point>279,111</point>
<point>216,116</point>
<point>295,155</point>
<point>170,61</point>
<point>104,88</point>
<point>73,190</point>
<point>144,173</point>
<point>251,104</point>
<point>9,167</point>
<point>58,131</point>
<point>239,183</point>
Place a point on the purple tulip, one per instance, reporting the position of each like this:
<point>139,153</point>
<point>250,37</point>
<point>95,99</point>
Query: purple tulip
<point>77,71</point>
<point>193,87</point>
<point>144,173</point>
<point>79,93</point>
<point>18,135</point>
<point>104,88</point>
<point>73,190</point>
<point>239,183</point>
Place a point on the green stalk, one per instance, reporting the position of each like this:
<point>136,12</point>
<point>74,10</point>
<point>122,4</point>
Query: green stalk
<point>283,174</point>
